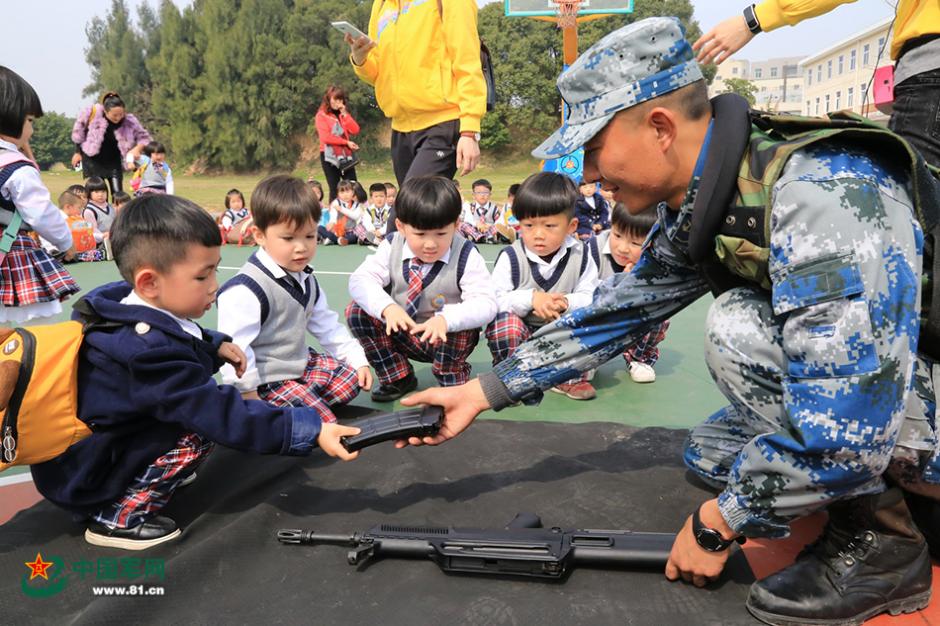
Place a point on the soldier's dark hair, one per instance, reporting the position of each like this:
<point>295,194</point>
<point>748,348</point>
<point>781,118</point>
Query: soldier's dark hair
<point>638,225</point>
<point>545,194</point>
<point>428,202</point>
<point>156,229</point>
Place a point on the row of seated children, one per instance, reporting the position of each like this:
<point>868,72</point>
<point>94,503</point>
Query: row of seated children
<point>426,293</point>
<point>355,216</point>
<point>484,221</point>
<point>167,250</point>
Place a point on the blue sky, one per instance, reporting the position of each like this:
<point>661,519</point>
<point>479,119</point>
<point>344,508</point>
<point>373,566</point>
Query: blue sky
<point>44,40</point>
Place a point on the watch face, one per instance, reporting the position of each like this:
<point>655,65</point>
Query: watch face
<point>710,540</point>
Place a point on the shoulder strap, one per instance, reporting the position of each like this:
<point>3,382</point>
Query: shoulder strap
<point>595,250</point>
<point>465,251</point>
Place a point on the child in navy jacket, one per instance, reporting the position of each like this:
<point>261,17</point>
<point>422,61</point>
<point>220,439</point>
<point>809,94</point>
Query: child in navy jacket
<point>592,211</point>
<point>146,388</point>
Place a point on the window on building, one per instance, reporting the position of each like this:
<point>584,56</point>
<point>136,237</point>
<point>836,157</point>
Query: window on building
<point>809,109</point>
<point>817,107</point>
<point>827,103</point>
<point>852,56</point>
<point>819,73</point>
<point>838,100</point>
<point>773,72</point>
<point>757,73</point>
<point>881,44</point>
<point>829,69</point>
<point>809,79</point>
<point>866,55</point>
<point>734,71</point>
<point>841,59</point>
<point>849,97</point>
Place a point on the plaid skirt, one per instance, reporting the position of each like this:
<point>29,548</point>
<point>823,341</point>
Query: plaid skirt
<point>29,275</point>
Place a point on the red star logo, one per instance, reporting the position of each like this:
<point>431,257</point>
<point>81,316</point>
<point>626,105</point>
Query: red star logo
<point>39,567</point>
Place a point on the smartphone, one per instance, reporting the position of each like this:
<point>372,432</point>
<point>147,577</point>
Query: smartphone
<point>348,29</point>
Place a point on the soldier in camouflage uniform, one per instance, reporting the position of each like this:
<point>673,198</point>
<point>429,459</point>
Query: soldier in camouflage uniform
<point>814,242</point>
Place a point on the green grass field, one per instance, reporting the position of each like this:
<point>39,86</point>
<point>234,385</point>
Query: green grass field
<point>209,191</point>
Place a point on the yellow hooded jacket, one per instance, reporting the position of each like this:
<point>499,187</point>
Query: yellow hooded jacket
<point>914,17</point>
<point>426,66</point>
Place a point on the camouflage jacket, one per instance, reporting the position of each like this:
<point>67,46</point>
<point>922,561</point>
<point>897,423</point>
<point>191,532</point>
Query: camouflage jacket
<point>667,279</point>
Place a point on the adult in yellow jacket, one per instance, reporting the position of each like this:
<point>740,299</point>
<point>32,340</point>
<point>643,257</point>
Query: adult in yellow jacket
<point>423,58</point>
<point>915,48</point>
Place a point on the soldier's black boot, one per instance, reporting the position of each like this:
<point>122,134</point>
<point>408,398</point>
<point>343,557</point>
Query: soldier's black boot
<point>870,559</point>
<point>926,514</point>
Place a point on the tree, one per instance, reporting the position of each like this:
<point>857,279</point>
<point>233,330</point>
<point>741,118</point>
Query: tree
<point>52,139</point>
<point>527,59</point>
<point>115,53</point>
<point>743,87</point>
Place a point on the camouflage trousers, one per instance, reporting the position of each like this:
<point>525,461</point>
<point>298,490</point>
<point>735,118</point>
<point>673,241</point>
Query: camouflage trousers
<point>749,359</point>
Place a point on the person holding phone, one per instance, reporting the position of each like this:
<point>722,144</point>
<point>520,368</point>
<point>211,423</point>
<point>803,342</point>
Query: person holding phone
<point>335,126</point>
<point>435,129</point>
<point>915,49</point>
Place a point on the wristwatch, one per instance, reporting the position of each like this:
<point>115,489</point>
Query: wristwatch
<point>469,133</point>
<point>750,17</point>
<point>709,538</point>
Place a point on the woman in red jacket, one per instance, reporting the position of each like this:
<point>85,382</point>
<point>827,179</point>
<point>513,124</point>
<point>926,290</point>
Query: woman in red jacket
<point>334,127</point>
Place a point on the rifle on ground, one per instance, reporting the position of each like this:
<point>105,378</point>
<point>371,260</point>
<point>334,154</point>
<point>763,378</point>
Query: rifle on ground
<point>523,548</point>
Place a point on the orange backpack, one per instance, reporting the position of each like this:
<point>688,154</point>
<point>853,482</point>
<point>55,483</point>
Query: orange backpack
<point>39,393</point>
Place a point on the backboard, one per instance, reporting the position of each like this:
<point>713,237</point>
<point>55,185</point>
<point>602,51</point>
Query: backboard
<point>534,8</point>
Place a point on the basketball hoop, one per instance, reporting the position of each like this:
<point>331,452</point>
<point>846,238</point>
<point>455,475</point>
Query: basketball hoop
<point>567,16</point>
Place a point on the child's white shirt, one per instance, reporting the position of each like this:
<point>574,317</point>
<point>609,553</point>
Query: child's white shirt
<point>188,326</point>
<point>240,319</point>
<point>519,301</point>
<point>31,197</point>
<point>478,301</point>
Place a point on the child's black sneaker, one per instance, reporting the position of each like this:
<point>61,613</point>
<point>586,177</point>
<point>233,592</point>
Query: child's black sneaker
<point>153,532</point>
<point>395,390</point>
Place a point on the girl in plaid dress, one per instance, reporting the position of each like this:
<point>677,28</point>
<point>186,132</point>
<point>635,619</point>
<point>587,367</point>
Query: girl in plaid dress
<point>32,283</point>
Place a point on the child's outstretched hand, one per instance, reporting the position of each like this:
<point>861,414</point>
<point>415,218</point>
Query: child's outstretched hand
<point>328,440</point>
<point>364,376</point>
<point>396,319</point>
<point>434,331</point>
<point>233,355</point>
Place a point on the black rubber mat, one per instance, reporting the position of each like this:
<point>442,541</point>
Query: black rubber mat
<point>229,568</point>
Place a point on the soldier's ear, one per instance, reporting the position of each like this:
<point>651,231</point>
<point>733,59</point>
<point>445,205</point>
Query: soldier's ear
<point>664,123</point>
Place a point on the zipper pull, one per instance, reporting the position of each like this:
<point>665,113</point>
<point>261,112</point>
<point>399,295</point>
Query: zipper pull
<point>9,445</point>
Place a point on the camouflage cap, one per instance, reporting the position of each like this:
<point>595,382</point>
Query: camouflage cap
<point>631,65</point>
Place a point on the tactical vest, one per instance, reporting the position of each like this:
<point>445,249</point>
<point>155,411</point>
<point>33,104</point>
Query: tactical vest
<point>730,237</point>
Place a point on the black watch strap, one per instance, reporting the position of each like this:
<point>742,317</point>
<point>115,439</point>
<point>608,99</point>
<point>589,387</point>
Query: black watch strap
<point>708,538</point>
<point>750,16</point>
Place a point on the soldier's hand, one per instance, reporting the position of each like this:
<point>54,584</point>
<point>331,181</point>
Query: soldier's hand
<point>461,405</point>
<point>690,561</point>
